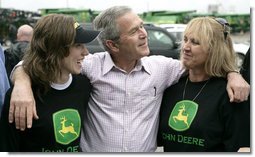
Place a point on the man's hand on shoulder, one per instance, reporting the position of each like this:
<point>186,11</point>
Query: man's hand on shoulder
<point>238,89</point>
<point>22,104</point>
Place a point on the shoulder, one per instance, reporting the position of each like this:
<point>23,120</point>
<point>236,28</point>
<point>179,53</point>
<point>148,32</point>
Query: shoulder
<point>218,82</point>
<point>82,84</point>
<point>175,88</point>
<point>93,62</point>
<point>217,91</point>
<point>81,79</point>
<point>96,58</point>
<point>162,61</point>
<point>97,55</point>
<point>156,58</point>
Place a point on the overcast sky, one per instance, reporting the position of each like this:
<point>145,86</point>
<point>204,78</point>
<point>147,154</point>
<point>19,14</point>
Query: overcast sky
<point>226,6</point>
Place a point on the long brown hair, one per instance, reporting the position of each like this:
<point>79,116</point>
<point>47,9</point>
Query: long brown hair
<point>53,34</point>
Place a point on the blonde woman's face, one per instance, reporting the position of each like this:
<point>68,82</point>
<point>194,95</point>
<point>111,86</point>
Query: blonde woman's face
<point>193,55</point>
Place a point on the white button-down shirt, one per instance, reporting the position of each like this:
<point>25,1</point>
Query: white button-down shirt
<point>123,111</point>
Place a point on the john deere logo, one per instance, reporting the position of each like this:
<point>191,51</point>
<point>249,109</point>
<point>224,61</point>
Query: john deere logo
<point>67,125</point>
<point>182,115</point>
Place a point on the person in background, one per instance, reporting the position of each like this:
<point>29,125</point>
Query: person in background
<point>196,114</point>
<point>123,111</point>
<point>4,83</point>
<point>53,62</point>
<point>15,53</point>
<point>245,118</point>
<point>12,30</point>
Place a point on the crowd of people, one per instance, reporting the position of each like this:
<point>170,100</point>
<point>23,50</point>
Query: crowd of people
<point>115,104</point>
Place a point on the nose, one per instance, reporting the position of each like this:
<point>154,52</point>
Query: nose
<point>186,47</point>
<point>85,51</point>
<point>187,44</point>
<point>142,33</point>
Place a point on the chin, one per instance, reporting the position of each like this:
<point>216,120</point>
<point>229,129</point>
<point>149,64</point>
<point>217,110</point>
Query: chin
<point>146,53</point>
<point>186,65</point>
<point>77,71</point>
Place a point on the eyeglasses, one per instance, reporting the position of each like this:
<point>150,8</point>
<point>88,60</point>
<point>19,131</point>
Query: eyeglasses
<point>225,24</point>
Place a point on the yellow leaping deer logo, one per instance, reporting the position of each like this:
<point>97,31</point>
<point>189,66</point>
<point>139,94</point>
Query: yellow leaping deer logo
<point>181,116</point>
<point>66,129</point>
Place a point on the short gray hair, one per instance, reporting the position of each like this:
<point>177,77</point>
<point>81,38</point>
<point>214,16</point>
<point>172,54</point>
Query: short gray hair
<point>106,23</point>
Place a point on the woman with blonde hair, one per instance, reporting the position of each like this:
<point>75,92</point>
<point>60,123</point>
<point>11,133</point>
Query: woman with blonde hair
<point>196,114</point>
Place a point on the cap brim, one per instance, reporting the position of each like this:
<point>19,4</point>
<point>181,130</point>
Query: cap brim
<point>85,36</point>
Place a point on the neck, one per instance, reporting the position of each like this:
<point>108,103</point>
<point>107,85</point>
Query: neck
<point>62,79</point>
<point>126,65</point>
<point>198,75</point>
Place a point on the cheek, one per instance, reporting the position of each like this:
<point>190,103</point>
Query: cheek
<point>200,60</point>
<point>69,62</point>
<point>204,57</point>
<point>65,62</point>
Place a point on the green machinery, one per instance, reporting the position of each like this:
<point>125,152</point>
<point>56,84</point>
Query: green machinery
<point>167,17</point>
<point>11,19</point>
<point>81,15</point>
<point>238,22</point>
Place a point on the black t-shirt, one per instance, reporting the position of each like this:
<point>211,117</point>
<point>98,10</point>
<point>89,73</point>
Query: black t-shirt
<point>58,129</point>
<point>204,124</point>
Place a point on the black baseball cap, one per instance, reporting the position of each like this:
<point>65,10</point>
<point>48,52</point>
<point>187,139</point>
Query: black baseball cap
<point>84,36</point>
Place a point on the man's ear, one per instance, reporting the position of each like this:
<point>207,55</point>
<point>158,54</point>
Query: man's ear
<point>112,45</point>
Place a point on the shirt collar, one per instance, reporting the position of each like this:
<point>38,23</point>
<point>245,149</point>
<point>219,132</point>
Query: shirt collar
<point>145,65</point>
<point>63,86</point>
<point>109,64</point>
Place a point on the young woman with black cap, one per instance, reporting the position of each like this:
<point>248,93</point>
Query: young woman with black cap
<point>53,63</point>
